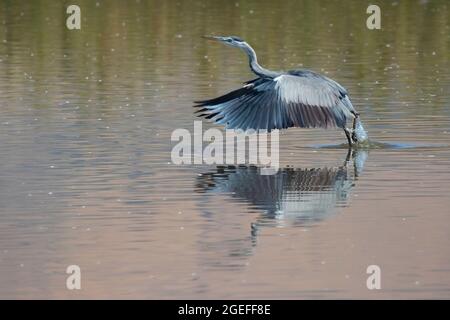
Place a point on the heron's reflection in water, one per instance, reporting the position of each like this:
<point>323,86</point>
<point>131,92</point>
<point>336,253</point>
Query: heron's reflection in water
<point>292,196</point>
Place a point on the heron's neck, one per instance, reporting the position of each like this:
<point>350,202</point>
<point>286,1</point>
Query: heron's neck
<point>254,65</point>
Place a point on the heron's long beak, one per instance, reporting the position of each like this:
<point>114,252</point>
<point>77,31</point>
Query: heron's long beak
<point>213,38</point>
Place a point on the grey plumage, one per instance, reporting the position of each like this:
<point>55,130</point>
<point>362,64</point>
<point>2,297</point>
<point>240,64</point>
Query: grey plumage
<point>279,100</point>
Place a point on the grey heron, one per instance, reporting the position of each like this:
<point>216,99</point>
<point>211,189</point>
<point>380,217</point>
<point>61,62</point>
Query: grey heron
<point>280,100</point>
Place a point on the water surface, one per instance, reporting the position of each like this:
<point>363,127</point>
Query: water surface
<point>86,176</point>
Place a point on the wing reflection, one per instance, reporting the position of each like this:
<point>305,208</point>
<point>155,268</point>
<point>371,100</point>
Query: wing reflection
<point>292,196</point>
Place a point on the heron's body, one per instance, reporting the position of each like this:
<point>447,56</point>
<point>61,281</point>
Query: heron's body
<point>280,100</point>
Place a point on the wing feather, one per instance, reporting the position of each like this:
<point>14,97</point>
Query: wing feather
<point>295,99</point>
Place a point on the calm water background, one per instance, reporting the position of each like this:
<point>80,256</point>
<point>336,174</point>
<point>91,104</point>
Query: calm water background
<point>85,174</point>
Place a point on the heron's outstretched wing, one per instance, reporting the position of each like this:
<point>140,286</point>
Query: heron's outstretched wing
<point>296,99</point>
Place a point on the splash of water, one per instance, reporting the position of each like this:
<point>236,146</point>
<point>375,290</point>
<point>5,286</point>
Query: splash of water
<point>360,134</point>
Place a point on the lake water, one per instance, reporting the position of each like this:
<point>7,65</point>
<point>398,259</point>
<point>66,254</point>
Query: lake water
<point>85,167</point>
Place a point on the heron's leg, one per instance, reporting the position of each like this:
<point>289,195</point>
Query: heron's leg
<point>348,157</point>
<point>349,137</point>
<point>355,169</point>
<point>356,114</point>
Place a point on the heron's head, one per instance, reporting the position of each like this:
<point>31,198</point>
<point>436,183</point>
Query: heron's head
<point>230,40</point>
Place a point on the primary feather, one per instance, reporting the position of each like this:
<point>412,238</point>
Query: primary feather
<point>298,98</point>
